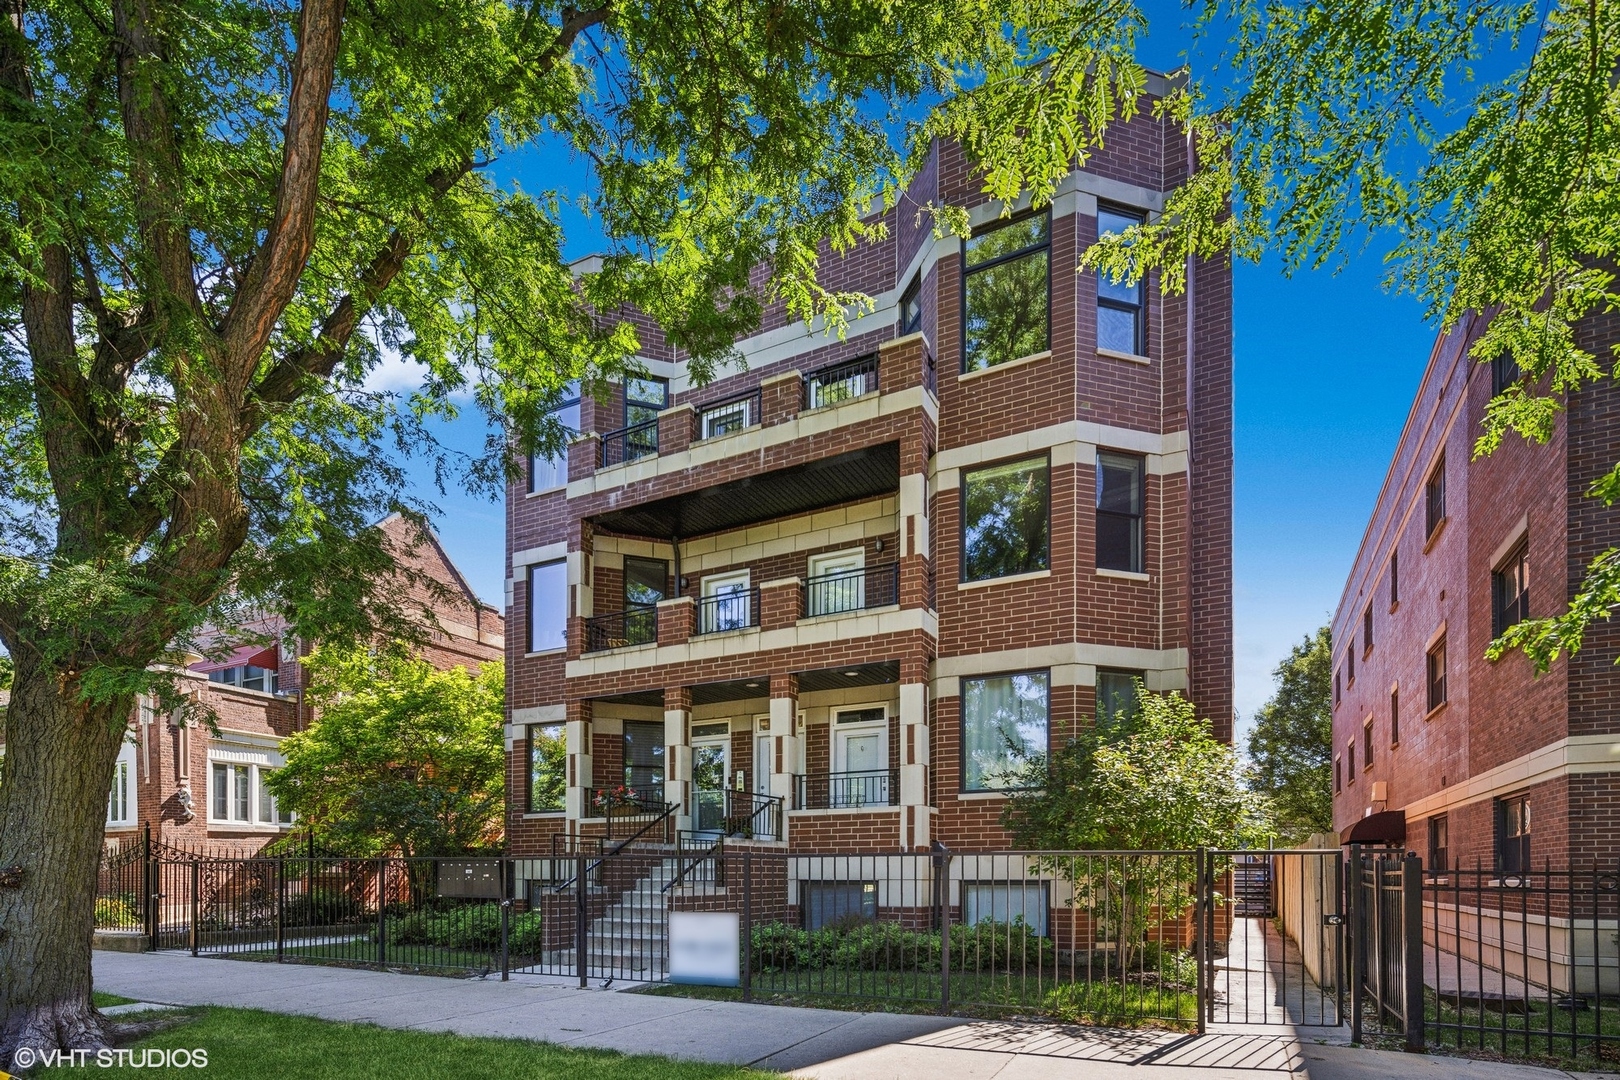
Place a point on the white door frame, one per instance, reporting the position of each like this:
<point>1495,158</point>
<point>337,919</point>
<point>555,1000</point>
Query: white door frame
<point>708,588</point>
<point>722,741</point>
<point>840,761</point>
<point>831,562</point>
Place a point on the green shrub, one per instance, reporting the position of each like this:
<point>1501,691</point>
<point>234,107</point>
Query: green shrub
<point>117,912</point>
<point>865,945</point>
<point>993,946</point>
<point>322,907</point>
<point>466,926</point>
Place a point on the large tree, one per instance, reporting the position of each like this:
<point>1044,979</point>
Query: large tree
<point>402,758</point>
<point>1479,140</point>
<point>218,215</point>
<point>1291,743</point>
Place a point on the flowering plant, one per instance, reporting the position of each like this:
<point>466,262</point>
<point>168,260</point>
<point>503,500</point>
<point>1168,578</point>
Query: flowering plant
<point>615,797</point>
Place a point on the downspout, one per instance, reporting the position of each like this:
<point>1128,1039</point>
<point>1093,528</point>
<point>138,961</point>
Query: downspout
<point>1192,303</point>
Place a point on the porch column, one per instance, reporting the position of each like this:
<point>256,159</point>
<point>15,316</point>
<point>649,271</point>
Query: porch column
<point>915,552</point>
<point>678,752</point>
<point>577,738</point>
<point>916,816</point>
<point>787,745</point>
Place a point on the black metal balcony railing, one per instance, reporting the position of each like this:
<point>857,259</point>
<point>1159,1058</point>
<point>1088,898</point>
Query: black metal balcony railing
<point>841,382</point>
<point>636,625</point>
<point>844,790</point>
<point>728,611</point>
<point>629,443</point>
<point>731,414</point>
<point>852,590</point>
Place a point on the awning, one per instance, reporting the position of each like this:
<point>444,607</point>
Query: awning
<point>257,655</point>
<point>1387,827</point>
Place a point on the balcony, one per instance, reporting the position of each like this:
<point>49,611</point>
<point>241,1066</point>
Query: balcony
<point>636,625</point>
<point>628,444</point>
<point>852,590</point>
<point>729,611</point>
<point>847,790</point>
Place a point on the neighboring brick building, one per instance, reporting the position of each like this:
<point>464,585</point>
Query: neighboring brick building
<point>759,595</point>
<point>195,787</point>
<point>1470,761</point>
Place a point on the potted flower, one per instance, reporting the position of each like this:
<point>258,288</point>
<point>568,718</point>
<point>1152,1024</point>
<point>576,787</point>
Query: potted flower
<point>616,801</point>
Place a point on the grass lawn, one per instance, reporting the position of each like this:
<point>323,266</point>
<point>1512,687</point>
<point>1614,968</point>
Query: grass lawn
<point>104,1000</point>
<point>246,1044</point>
<point>971,994</point>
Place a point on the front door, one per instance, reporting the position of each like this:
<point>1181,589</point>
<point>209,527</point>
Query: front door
<point>860,758</point>
<point>764,759</point>
<point>726,603</point>
<point>711,764</point>
<point>837,582</point>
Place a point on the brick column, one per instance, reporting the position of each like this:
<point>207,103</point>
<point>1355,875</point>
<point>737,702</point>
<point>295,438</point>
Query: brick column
<point>581,592</point>
<point>675,620</point>
<point>577,734</point>
<point>675,427</point>
<point>902,363</point>
<point>779,603</point>
<point>678,752</point>
<point>583,454</point>
<point>780,397</point>
<point>787,744</point>
<point>915,814</point>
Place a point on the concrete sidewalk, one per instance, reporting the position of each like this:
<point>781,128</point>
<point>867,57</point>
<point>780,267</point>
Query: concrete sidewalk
<point>820,1043</point>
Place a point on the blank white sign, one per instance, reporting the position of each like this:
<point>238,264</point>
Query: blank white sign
<point>705,948</point>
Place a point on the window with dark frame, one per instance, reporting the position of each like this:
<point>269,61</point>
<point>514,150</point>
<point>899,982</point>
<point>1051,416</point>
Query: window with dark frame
<point>1338,774</point>
<point>1338,690</point>
<point>1395,717</point>
<point>1116,694</point>
<point>548,767</point>
<point>1367,743</point>
<point>1005,726</point>
<point>1006,291</point>
<point>1435,498</point>
<point>911,307</point>
<point>1510,590</point>
<point>1394,578</point>
<point>548,605</point>
<point>1006,519</point>
<point>1513,835</point>
<point>1350,664</point>
<point>1436,666</point>
<point>1505,372</point>
<point>547,471</point>
<point>644,758</point>
<point>1439,844</point>
<point>826,902</point>
<point>1120,498</point>
<point>1350,759</point>
<point>646,581</point>
<point>644,399</point>
<point>1121,326</point>
<point>1366,630</point>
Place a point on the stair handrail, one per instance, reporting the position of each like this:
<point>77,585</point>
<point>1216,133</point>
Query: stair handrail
<point>683,867</point>
<point>606,853</point>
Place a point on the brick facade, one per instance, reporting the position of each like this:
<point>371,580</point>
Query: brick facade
<point>1502,731</point>
<point>779,683</point>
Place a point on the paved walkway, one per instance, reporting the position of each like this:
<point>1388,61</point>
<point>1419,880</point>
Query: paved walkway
<point>818,1043</point>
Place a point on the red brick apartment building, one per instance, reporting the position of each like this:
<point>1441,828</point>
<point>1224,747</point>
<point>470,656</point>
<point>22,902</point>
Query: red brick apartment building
<point>838,597</point>
<point>200,788</point>
<point>1464,760</point>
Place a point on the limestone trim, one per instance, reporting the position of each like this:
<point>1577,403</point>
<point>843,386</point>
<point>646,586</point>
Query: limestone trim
<point>1575,755</point>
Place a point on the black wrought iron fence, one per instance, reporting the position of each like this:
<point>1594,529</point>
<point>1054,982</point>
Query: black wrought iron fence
<point>628,444</point>
<point>844,790</point>
<point>728,415</point>
<point>635,625</point>
<point>852,590</point>
<point>841,382</point>
<point>728,611</point>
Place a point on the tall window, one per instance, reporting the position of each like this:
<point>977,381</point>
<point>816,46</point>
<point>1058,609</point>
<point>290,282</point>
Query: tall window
<point>646,581</point>
<point>1510,590</point>
<point>1513,835</point>
<point>1338,689</point>
<point>1394,578</point>
<point>120,799</point>
<point>1338,774</point>
<point>1004,726</point>
<point>1435,498</point>
<point>644,758</point>
<point>547,471</point>
<point>1366,630</point>
<point>1006,287</point>
<point>1439,844</point>
<point>1350,759</point>
<point>1437,675</point>
<point>1350,663</point>
<point>1005,512</point>
<point>1395,717</point>
<point>1119,511</point>
<point>911,307</point>
<point>548,605</point>
<point>1366,743</point>
<point>1504,372</point>
<point>1120,325</point>
<point>644,399</point>
<point>1116,694</point>
<point>548,767</point>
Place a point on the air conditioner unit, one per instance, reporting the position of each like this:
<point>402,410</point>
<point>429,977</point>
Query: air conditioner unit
<point>1380,791</point>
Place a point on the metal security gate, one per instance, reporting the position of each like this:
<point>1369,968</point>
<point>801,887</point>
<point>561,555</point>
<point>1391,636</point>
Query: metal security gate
<point>1271,937</point>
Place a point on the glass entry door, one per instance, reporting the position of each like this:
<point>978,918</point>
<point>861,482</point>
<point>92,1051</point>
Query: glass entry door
<point>711,764</point>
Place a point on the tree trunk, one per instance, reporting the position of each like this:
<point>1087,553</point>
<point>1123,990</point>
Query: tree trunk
<point>59,757</point>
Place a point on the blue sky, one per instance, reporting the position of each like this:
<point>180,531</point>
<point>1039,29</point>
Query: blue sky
<point>1327,364</point>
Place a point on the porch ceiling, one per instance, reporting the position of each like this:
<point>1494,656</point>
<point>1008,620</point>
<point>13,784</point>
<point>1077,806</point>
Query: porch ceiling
<point>887,671</point>
<point>876,674</point>
<point>799,489</point>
